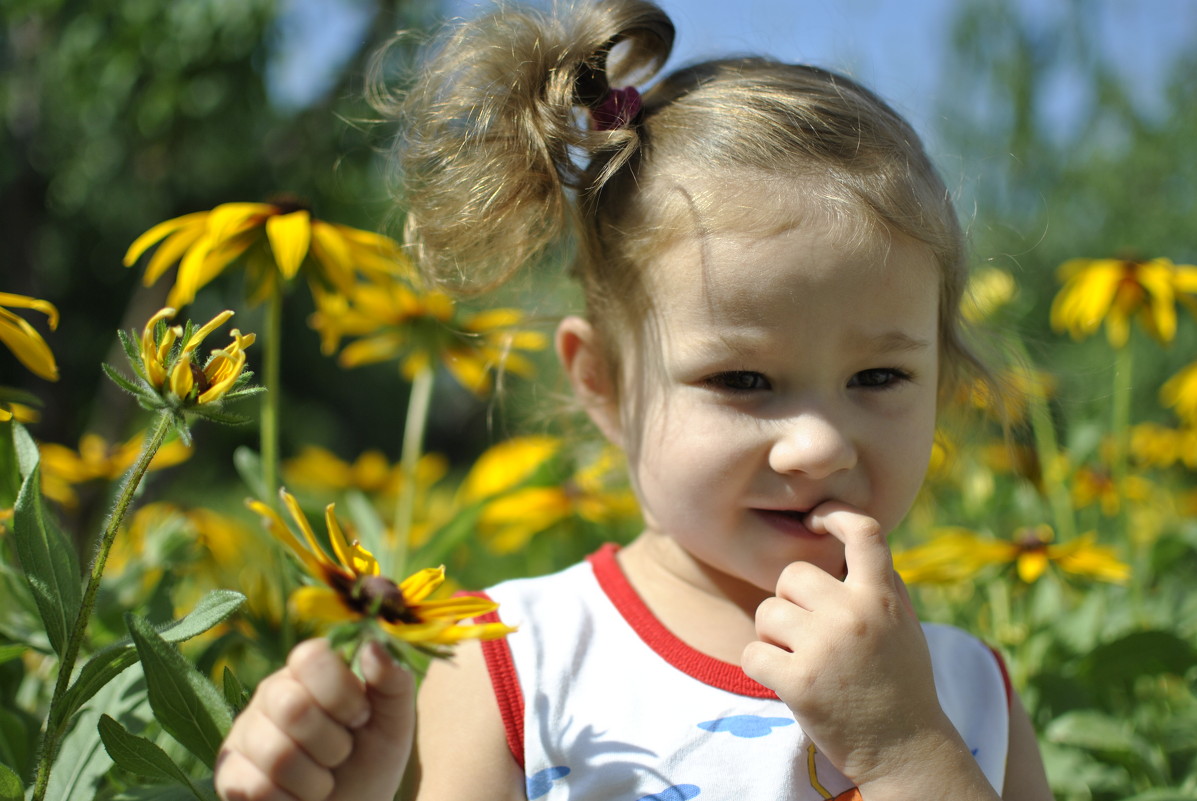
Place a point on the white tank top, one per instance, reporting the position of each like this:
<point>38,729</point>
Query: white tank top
<point>602,703</point>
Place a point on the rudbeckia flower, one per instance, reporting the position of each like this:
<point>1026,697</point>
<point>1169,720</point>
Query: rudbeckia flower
<point>321,469</point>
<point>395,321</point>
<point>513,514</point>
<point>1092,485</point>
<point>1114,291</point>
<point>98,459</point>
<point>989,289</point>
<point>1154,445</point>
<point>1180,393</point>
<point>351,588</point>
<point>958,554</point>
<point>278,240</point>
<point>169,379</point>
<point>23,339</point>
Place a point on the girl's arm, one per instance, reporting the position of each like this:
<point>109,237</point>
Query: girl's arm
<point>1026,780</point>
<point>461,745</point>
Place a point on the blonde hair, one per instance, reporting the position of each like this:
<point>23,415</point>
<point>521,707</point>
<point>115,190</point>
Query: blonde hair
<point>499,167</point>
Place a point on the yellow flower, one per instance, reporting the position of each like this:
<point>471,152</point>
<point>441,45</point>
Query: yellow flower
<point>1180,393</point>
<point>23,340</point>
<point>234,555</point>
<point>174,374</point>
<point>282,236</point>
<point>989,289</point>
<point>958,554</point>
<point>395,321</point>
<point>1154,445</point>
<point>97,459</point>
<point>1018,386</point>
<point>353,590</point>
<point>1096,485</point>
<point>509,520</point>
<point>370,472</point>
<point>1115,290</point>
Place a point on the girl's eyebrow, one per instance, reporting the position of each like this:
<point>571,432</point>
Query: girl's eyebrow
<point>894,341</point>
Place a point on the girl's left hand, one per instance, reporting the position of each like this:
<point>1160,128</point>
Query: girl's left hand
<point>849,658</point>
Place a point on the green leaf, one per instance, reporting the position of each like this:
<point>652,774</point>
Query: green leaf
<point>217,416</point>
<point>48,561</point>
<point>214,608</point>
<point>131,344</point>
<point>28,455</point>
<point>12,651</point>
<point>139,755</point>
<point>234,691</point>
<point>10,469</point>
<point>82,760</point>
<point>1114,739</point>
<point>11,788</point>
<point>172,792</point>
<point>1165,794</point>
<point>18,739</point>
<point>123,382</point>
<point>249,467</point>
<point>185,702</point>
<point>1141,653</point>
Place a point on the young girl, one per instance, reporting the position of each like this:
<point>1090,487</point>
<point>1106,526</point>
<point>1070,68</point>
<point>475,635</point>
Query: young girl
<point>772,272</point>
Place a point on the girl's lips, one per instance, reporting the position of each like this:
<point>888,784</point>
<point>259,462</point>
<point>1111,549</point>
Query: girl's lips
<point>788,521</point>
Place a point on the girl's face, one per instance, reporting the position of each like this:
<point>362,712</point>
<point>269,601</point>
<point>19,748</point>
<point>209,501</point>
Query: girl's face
<point>784,369</point>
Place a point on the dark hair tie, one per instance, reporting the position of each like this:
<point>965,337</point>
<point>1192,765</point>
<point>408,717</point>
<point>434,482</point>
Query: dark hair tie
<point>619,108</point>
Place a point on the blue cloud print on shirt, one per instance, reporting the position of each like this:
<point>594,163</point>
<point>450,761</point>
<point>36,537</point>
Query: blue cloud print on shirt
<point>541,782</point>
<point>678,792</point>
<point>745,725</point>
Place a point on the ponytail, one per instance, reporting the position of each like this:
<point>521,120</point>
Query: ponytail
<point>494,145</point>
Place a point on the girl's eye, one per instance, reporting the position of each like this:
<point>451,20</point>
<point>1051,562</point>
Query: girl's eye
<point>738,381</point>
<point>879,378</point>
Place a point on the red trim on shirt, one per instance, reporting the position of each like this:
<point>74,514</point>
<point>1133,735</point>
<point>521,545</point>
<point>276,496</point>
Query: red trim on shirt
<point>707,669</point>
<point>503,678</point>
<point>1005,676</point>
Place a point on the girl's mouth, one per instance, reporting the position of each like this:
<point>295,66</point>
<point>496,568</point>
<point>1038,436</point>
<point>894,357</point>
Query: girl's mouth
<point>788,521</point>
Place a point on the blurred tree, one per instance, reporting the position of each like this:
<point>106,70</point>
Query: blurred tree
<point>1065,158</point>
<point>118,115</point>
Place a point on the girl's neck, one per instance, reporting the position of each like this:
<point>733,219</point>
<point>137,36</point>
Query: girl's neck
<point>705,608</point>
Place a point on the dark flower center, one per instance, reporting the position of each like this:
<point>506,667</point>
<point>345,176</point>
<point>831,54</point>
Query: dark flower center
<point>381,597</point>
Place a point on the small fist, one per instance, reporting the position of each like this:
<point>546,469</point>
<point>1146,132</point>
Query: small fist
<point>313,730</point>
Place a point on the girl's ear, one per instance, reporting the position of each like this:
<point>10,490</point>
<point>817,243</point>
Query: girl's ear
<point>582,355</point>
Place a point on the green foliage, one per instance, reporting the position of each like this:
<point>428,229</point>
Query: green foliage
<point>47,557</point>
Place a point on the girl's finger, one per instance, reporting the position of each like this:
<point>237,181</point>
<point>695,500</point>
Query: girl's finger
<point>331,683</point>
<point>239,779</point>
<point>293,710</point>
<point>283,762</point>
<point>866,551</point>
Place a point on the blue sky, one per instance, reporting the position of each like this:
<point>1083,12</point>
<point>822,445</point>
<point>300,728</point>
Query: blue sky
<point>895,47</point>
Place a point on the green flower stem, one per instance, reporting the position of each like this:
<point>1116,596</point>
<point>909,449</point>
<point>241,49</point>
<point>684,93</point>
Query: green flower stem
<point>1124,363</point>
<point>66,668</point>
<point>1047,447</point>
<point>416,424</point>
<point>270,401</point>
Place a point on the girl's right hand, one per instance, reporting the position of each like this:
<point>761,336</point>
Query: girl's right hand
<point>314,731</point>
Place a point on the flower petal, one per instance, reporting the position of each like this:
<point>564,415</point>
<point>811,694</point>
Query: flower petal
<point>320,604</point>
<point>27,345</point>
<point>420,585</point>
<point>289,235</point>
<point>161,231</point>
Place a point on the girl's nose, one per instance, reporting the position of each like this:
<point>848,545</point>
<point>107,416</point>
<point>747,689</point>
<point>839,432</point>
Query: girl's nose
<point>814,445</point>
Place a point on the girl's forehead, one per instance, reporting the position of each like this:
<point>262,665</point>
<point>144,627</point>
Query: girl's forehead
<point>696,206</point>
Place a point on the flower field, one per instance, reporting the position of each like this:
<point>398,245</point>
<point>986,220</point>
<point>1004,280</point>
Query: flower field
<point>231,491</point>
